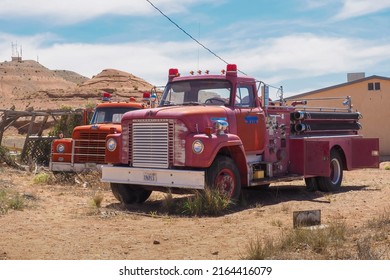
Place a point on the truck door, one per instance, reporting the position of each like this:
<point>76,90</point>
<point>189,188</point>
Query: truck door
<point>250,119</point>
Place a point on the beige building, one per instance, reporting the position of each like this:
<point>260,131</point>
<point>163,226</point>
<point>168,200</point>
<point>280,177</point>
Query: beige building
<point>370,96</point>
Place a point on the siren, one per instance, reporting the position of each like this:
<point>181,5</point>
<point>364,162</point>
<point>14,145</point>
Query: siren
<point>146,96</point>
<point>173,72</point>
<point>106,96</point>
<point>231,70</point>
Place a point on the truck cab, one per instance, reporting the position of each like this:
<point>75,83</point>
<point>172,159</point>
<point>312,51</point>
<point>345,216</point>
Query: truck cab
<point>215,131</point>
<point>86,149</point>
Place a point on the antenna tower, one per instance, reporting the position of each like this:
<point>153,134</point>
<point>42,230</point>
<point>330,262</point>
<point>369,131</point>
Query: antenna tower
<point>16,54</point>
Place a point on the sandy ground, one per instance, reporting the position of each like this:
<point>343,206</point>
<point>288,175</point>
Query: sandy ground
<point>60,222</point>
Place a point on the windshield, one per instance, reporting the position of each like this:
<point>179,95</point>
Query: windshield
<point>109,114</point>
<point>197,92</point>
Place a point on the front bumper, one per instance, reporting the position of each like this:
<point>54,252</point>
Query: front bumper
<point>170,178</point>
<point>74,167</point>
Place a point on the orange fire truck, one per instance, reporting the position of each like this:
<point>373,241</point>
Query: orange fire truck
<point>86,149</point>
<point>216,131</point>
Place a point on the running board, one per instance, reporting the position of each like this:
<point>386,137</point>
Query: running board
<point>266,181</point>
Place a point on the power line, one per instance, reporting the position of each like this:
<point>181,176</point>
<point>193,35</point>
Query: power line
<point>189,35</point>
<point>198,42</point>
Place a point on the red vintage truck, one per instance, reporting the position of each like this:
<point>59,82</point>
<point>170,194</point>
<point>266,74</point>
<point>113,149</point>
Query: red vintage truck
<point>86,149</point>
<point>216,131</point>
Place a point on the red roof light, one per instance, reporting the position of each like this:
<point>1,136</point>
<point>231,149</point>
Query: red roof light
<point>146,95</point>
<point>173,72</point>
<point>231,69</point>
<point>106,96</point>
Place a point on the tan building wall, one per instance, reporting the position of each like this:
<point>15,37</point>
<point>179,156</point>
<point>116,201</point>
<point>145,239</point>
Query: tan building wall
<point>373,104</point>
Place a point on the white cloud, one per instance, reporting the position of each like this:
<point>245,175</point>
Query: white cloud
<point>307,55</point>
<point>73,11</point>
<point>355,8</point>
<point>274,60</point>
<point>315,4</point>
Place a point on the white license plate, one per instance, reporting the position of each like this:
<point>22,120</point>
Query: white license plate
<point>150,177</point>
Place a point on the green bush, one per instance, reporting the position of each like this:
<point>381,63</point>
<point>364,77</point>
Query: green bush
<point>42,178</point>
<point>66,123</point>
<point>207,202</point>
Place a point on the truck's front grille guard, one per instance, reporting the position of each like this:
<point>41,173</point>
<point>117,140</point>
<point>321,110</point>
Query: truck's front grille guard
<point>151,143</point>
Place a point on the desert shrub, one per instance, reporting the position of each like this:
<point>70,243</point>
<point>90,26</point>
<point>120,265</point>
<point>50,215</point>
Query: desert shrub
<point>7,158</point>
<point>365,250</point>
<point>168,203</point>
<point>259,250</point>
<point>315,241</point>
<point>207,202</point>
<point>42,178</point>
<point>97,200</point>
<point>10,200</point>
<point>66,123</point>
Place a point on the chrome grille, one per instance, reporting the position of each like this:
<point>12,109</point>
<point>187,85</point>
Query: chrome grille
<point>90,147</point>
<point>151,144</point>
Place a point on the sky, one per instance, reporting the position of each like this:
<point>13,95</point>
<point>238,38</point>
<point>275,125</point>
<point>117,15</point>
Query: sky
<point>301,45</point>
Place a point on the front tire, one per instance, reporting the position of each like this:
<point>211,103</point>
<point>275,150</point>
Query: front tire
<point>223,176</point>
<point>128,194</point>
<point>333,182</point>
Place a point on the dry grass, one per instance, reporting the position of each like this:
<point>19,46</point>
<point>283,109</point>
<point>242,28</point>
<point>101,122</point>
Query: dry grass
<point>209,202</point>
<point>11,200</point>
<point>307,243</point>
<point>335,241</point>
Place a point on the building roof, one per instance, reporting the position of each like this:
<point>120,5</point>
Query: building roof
<point>339,86</point>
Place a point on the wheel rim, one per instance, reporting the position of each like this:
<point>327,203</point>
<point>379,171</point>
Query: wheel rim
<point>226,182</point>
<point>335,171</point>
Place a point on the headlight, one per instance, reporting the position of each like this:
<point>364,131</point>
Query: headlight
<point>111,144</point>
<point>197,146</point>
<point>60,148</point>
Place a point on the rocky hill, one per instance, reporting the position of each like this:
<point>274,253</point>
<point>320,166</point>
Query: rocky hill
<point>25,84</point>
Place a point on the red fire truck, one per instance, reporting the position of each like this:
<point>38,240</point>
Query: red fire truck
<point>216,131</point>
<point>86,149</point>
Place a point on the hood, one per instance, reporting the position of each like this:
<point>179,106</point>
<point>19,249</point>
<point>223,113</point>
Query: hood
<point>193,116</point>
<point>96,128</point>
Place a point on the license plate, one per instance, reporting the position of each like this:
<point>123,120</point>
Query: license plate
<point>150,177</point>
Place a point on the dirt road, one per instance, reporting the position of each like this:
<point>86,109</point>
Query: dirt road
<point>60,222</point>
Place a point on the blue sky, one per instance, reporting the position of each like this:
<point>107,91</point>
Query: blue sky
<point>301,45</point>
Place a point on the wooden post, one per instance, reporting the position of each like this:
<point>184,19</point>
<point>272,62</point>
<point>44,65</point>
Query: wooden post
<point>3,125</point>
<point>30,128</point>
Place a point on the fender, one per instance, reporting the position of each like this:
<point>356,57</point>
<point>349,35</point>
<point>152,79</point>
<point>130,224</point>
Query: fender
<point>118,155</point>
<point>66,155</point>
<point>212,146</point>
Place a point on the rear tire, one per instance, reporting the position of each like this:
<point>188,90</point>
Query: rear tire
<point>333,182</point>
<point>311,184</point>
<point>223,175</point>
<point>128,194</point>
